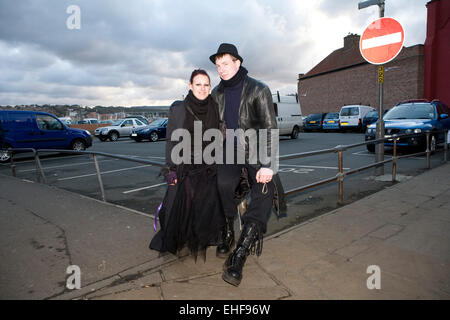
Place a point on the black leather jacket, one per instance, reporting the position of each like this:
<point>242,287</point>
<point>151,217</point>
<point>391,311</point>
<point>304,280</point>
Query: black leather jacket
<point>256,111</point>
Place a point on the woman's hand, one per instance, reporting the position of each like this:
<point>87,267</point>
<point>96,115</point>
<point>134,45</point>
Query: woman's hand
<point>171,178</point>
<point>264,175</point>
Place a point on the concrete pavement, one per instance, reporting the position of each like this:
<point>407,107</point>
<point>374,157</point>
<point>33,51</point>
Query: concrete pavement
<point>396,242</point>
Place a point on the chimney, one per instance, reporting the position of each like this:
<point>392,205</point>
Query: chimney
<point>351,40</point>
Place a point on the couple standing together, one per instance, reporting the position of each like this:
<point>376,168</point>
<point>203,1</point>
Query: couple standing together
<point>202,199</point>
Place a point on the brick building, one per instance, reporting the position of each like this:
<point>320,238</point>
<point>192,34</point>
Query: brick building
<point>344,77</point>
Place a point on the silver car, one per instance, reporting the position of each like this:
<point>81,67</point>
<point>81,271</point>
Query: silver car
<point>119,128</point>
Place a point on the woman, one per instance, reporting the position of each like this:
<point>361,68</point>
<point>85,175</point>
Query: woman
<point>191,214</point>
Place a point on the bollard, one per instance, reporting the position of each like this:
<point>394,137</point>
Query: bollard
<point>13,166</point>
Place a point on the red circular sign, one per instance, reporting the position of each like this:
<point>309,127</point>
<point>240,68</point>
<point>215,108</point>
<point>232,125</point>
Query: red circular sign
<point>382,41</point>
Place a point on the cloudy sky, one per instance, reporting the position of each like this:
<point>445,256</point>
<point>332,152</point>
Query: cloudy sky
<point>141,52</point>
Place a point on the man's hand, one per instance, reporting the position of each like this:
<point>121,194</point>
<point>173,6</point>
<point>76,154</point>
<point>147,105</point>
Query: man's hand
<point>264,175</point>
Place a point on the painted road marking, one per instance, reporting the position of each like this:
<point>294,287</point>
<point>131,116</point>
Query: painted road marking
<point>105,172</point>
<point>143,188</point>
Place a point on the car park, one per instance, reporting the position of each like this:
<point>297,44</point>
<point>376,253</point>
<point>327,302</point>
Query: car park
<point>39,130</point>
<point>314,122</point>
<point>119,128</point>
<point>351,117</point>
<point>413,116</point>
<point>331,122</point>
<point>153,132</point>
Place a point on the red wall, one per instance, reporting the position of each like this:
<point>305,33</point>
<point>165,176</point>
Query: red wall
<point>437,52</point>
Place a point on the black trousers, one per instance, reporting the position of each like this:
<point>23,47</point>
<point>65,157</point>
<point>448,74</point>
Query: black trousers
<point>260,207</point>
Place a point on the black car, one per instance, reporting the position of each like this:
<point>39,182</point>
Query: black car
<point>371,117</point>
<point>153,132</point>
<point>314,122</point>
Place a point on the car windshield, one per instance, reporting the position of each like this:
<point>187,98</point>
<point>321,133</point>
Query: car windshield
<point>314,116</point>
<point>157,123</point>
<point>372,114</point>
<point>411,111</point>
<point>332,116</point>
<point>116,122</point>
<point>350,111</point>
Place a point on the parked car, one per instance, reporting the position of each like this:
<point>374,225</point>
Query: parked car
<point>106,122</point>
<point>331,122</point>
<point>39,130</point>
<point>153,132</point>
<point>88,121</point>
<point>413,116</point>
<point>371,117</point>
<point>66,120</point>
<point>142,118</point>
<point>314,122</point>
<point>351,116</point>
<point>288,114</point>
<point>119,128</point>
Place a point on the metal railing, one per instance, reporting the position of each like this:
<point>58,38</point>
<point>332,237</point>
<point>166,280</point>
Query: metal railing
<point>339,177</point>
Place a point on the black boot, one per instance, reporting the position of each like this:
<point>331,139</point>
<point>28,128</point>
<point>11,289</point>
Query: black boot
<point>226,239</point>
<point>250,237</point>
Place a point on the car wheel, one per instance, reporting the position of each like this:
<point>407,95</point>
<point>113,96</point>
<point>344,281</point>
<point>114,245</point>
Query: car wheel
<point>154,136</point>
<point>113,136</point>
<point>294,134</point>
<point>5,155</point>
<point>433,143</point>
<point>370,148</point>
<point>78,145</point>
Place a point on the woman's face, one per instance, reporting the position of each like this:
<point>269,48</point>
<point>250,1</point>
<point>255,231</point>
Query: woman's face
<point>200,86</point>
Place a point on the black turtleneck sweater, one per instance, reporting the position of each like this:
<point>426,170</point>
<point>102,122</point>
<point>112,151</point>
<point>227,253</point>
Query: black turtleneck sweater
<point>233,90</point>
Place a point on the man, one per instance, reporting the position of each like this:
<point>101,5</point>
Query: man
<point>244,103</point>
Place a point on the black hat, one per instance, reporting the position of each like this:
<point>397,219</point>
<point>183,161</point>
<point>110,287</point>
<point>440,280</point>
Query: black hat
<point>226,48</point>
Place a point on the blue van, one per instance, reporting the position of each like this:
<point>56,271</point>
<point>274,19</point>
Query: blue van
<point>38,130</point>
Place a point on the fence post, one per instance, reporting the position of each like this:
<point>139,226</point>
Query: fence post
<point>340,176</point>
<point>427,136</point>
<point>39,171</point>
<point>394,160</point>
<point>446,146</point>
<point>99,177</point>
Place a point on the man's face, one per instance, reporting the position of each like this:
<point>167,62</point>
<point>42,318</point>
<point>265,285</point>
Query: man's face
<point>226,67</point>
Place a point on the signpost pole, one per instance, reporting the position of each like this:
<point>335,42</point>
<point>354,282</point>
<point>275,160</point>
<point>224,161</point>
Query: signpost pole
<point>379,150</point>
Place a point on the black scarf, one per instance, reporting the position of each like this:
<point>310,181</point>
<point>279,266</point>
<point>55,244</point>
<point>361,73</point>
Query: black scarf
<point>238,77</point>
<point>204,110</point>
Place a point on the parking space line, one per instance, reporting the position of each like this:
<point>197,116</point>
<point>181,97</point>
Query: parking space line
<point>68,165</point>
<point>105,172</point>
<point>313,167</point>
<point>143,188</point>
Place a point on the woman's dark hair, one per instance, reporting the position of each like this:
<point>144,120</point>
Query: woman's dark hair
<point>197,72</point>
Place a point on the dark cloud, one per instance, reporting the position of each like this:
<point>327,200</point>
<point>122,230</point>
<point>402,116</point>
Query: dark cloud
<point>147,49</point>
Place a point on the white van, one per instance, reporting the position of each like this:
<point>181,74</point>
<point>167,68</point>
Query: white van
<point>288,113</point>
<point>351,116</point>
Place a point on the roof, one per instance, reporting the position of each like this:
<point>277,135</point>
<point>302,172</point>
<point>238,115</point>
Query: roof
<point>339,59</point>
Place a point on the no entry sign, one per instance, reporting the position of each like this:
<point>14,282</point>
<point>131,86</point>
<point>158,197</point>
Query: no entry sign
<point>382,41</point>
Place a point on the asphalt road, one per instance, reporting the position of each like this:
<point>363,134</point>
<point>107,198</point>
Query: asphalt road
<point>138,186</point>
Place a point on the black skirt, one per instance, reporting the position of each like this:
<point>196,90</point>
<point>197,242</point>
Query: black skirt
<point>195,218</point>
